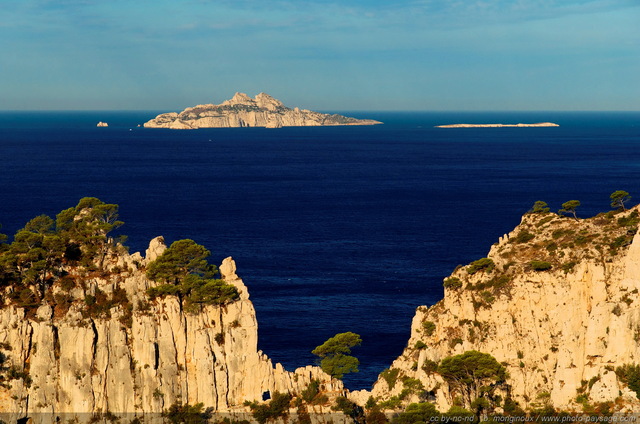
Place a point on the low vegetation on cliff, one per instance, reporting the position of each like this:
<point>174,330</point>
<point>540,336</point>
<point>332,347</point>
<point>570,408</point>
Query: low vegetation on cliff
<point>547,241</point>
<point>49,258</point>
<point>550,315</point>
<point>445,373</point>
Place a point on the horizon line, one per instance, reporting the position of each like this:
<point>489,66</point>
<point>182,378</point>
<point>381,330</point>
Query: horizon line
<point>354,110</point>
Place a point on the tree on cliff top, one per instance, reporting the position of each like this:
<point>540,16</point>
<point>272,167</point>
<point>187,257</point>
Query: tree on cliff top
<point>182,258</point>
<point>335,354</point>
<point>539,207</point>
<point>87,225</point>
<point>619,198</point>
<point>185,272</point>
<point>570,207</point>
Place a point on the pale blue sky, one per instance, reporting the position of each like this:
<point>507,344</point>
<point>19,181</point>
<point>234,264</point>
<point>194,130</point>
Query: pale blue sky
<point>322,54</point>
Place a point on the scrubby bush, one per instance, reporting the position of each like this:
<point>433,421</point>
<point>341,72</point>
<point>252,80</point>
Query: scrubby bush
<point>312,394</point>
<point>429,327</point>
<point>540,265</point>
<point>348,408</point>
<point>188,414</point>
<point>390,376</point>
<point>419,345</point>
<point>452,283</point>
<point>631,220</point>
<point>483,264</point>
<point>277,407</point>
<point>429,366</point>
<point>523,236</point>
<point>417,413</point>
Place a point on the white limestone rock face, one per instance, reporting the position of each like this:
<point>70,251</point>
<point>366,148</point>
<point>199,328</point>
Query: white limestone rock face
<point>243,111</point>
<point>555,329</point>
<point>142,361</point>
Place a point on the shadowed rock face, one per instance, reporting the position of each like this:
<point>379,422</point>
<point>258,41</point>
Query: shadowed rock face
<point>140,358</point>
<point>243,111</point>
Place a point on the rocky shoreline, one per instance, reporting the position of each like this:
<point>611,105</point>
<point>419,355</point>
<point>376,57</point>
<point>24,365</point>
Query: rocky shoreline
<point>244,111</point>
<point>540,124</point>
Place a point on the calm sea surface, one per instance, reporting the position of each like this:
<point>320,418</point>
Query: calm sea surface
<point>333,229</point>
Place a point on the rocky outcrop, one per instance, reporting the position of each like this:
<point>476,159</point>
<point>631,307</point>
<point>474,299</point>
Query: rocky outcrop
<point>143,356</point>
<point>541,124</point>
<point>556,302</point>
<point>102,124</point>
<point>243,111</point>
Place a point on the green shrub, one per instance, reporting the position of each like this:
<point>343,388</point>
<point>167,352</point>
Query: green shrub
<point>487,297</point>
<point>420,345</point>
<point>312,393</point>
<point>619,242</point>
<point>483,264</point>
<point>544,221</point>
<point>348,408</point>
<point>452,283</point>
<point>392,403</point>
<point>430,366</point>
<point>195,290</point>
<point>561,233</point>
<point>411,386</point>
<point>277,407</point>
<point>454,342</point>
<point>568,266</point>
<point>632,220</point>
<point>523,236</point>
<point>429,327</point>
<point>390,376</point>
<point>417,413</point>
<point>551,247</point>
<point>540,265</point>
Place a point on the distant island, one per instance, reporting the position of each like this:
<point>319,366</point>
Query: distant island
<point>244,111</point>
<point>540,124</point>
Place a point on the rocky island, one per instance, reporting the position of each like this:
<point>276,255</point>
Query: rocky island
<point>244,111</point>
<point>548,321</point>
<point>540,124</point>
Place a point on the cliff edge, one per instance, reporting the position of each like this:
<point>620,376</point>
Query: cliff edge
<point>243,111</point>
<point>555,302</point>
<point>100,345</point>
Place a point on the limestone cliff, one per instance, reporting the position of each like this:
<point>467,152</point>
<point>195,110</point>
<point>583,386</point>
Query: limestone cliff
<point>556,301</point>
<point>243,111</point>
<point>141,356</point>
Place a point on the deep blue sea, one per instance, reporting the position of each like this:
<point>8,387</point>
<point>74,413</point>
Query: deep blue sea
<point>333,229</point>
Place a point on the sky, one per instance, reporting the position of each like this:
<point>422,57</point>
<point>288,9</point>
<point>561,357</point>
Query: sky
<point>326,55</point>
